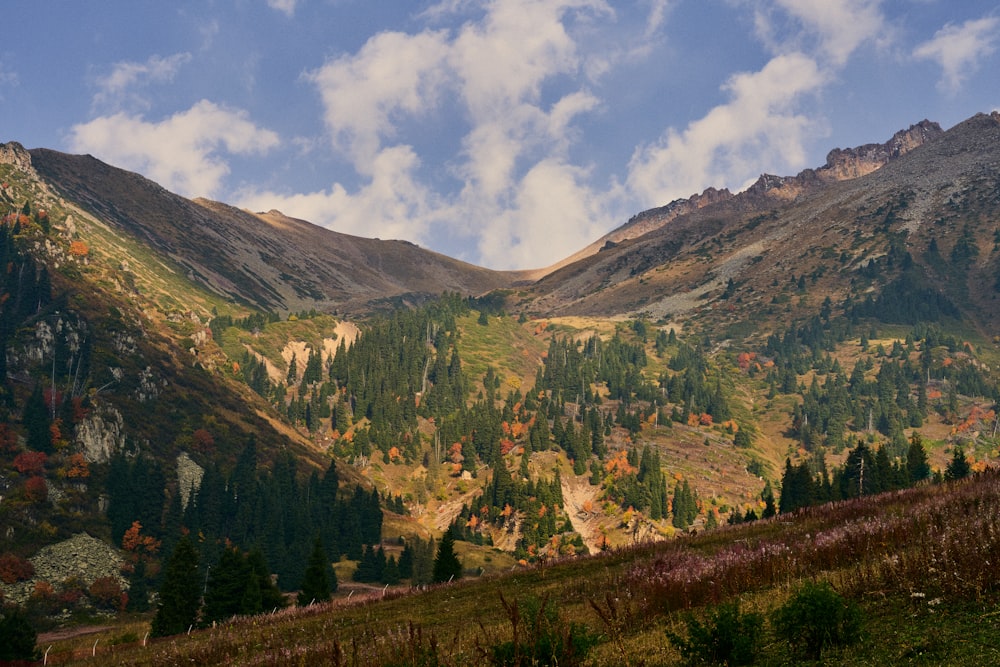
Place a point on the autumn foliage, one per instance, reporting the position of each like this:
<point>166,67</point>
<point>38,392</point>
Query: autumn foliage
<point>13,568</point>
<point>36,490</point>
<point>135,542</point>
<point>78,249</point>
<point>31,463</point>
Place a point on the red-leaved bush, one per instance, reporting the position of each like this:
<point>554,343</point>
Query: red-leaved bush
<point>13,568</point>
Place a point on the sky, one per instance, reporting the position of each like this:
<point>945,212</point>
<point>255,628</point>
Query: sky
<point>506,133</point>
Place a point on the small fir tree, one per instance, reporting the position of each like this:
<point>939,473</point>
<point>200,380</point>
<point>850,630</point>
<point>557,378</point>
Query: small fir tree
<point>320,580</point>
<point>17,636</point>
<point>958,467</point>
<point>446,563</point>
<point>180,594</point>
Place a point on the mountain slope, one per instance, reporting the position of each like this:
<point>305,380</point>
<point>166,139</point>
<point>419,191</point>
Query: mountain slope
<point>811,224</point>
<point>267,261</point>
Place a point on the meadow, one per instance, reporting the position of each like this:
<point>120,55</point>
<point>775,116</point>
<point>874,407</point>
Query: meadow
<point>917,565</point>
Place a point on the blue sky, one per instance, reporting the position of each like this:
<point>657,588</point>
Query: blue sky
<point>508,133</point>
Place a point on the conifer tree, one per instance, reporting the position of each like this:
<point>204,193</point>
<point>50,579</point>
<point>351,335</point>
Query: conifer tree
<point>958,467</point>
<point>917,467</point>
<point>226,586</point>
<point>138,590</point>
<point>446,563</point>
<point>17,636</point>
<point>180,594</point>
<point>270,594</point>
<point>320,580</point>
<point>767,495</point>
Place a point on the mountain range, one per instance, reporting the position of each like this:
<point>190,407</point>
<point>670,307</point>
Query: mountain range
<point>199,366</point>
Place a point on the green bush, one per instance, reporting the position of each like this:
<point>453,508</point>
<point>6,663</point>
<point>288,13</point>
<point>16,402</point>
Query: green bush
<point>817,617</point>
<point>728,638</point>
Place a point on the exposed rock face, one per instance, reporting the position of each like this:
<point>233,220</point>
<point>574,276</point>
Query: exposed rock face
<point>843,164</point>
<point>101,434</point>
<point>189,476</point>
<point>15,154</point>
<point>655,218</point>
<point>82,557</point>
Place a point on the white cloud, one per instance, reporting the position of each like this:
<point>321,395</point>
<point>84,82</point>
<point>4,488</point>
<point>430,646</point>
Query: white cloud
<point>829,30</point>
<point>363,95</point>
<point>7,77</point>
<point>393,205</point>
<point>760,124</point>
<point>958,50</point>
<point>184,153</point>
<point>285,6</point>
<point>517,77</point>
<point>555,213</point>
<point>115,89</point>
<point>842,25</point>
<point>495,67</point>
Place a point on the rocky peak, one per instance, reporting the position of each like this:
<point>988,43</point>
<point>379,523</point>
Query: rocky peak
<point>15,154</point>
<point>847,163</point>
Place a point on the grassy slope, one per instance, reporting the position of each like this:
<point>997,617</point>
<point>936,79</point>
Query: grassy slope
<point>917,561</point>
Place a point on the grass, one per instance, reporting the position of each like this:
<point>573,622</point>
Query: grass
<point>514,350</point>
<point>920,564</point>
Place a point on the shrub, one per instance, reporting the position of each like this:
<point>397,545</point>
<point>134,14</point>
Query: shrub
<point>36,490</point>
<point>540,637</point>
<point>13,568</point>
<point>817,617</point>
<point>728,638</point>
<point>106,593</point>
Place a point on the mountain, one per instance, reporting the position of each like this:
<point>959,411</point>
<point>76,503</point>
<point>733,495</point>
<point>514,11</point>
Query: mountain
<point>266,260</point>
<point>829,224</point>
<point>172,367</point>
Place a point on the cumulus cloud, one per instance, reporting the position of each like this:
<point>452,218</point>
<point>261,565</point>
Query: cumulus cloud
<point>117,88</point>
<point>185,152</point>
<point>759,125</point>
<point>495,67</point>
<point>392,205</point>
<point>554,214</point>
<point>958,49</point>
<point>840,25</point>
<point>363,95</point>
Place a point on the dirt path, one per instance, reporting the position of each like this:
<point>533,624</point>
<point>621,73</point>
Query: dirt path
<point>68,633</point>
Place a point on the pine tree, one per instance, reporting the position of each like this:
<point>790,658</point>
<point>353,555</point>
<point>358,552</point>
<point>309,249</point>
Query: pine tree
<point>270,594</point>
<point>138,590</point>
<point>320,580</point>
<point>17,636</point>
<point>917,467</point>
<point>767,495</point>
<point>446,563</point>
<point>225,589</point>
<point>180,594</point>
<point>958,467</point>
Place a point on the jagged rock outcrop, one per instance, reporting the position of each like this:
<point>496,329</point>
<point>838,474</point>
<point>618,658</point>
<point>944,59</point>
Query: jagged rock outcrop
<point>15,154</point>
<point>101,434</point>
<point>843,164</point>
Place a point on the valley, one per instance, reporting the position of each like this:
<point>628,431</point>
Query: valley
<point>722,400</point>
